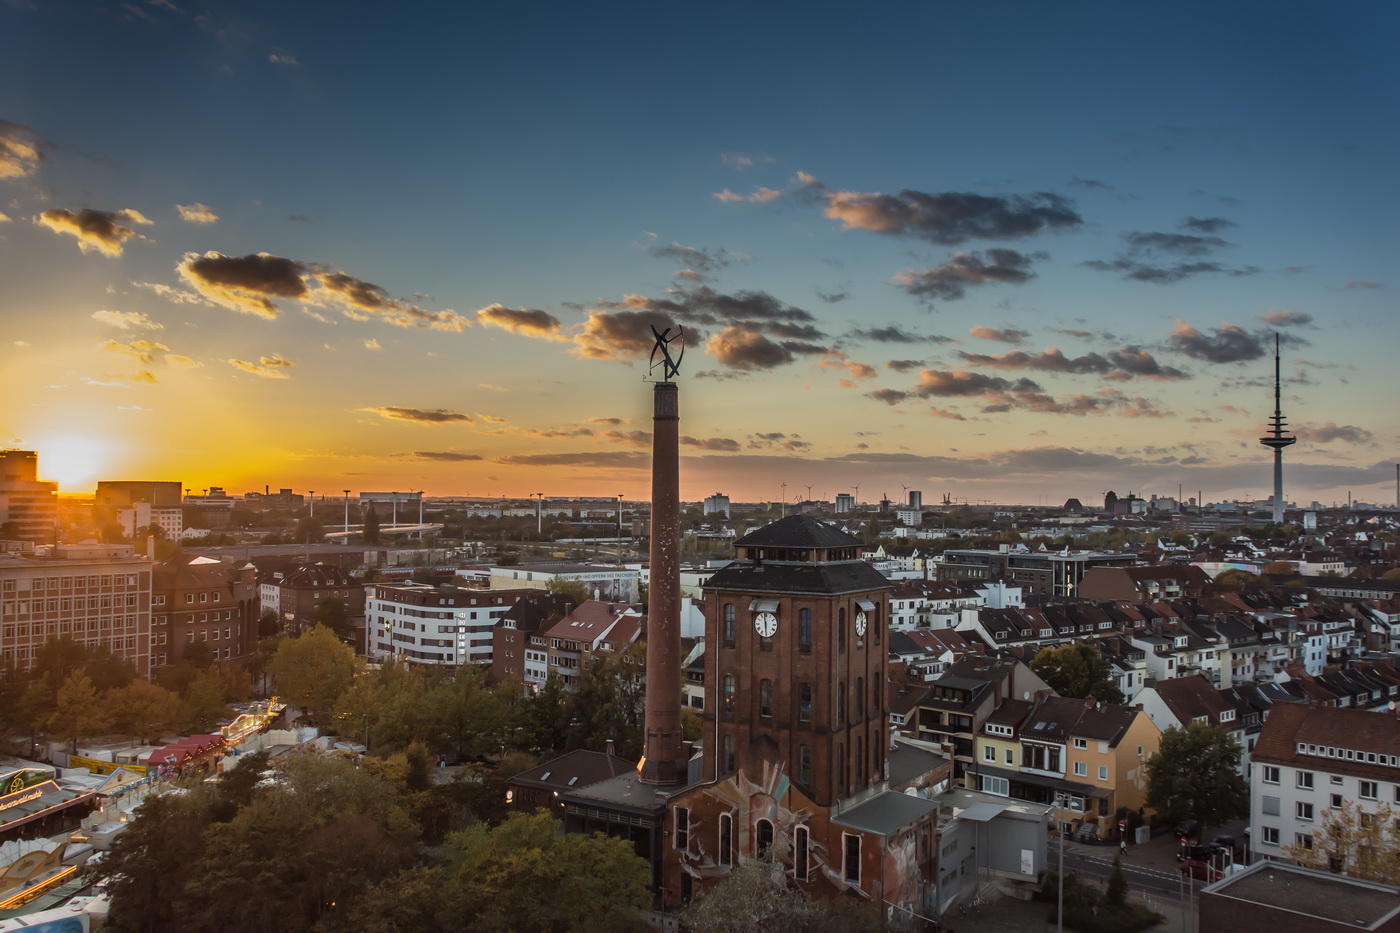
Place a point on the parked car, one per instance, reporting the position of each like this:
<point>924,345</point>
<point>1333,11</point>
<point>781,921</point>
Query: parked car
<point>1200,870</point>
<point>1190,851</point>
<point>1188,829</point>
<point>1223,843</point>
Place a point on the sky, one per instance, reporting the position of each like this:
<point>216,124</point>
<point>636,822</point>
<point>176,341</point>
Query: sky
<point>1009,252</point>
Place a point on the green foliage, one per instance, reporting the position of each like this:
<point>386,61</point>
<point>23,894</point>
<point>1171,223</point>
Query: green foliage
<point>369,526</point>
<point>314,670</point>
<point>202,703</point>
<point>141,706</point>
<point>523,876</point>
<point>1089,909</point>
<point>609,704</point>
<point>334,615</point>
<point>78,710</point>
<point>1195,774</point>
<point>1237,576</point>
<point>1117,893</point>
<point>1363,845</point>
<point>268,624</point>
<point>1077,670</point>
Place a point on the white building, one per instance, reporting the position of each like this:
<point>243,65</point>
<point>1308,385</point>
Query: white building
<point>1310,760</point>
<point>616,584</point>
<point>716,504</point>
<point>432,624</point>
<point>169,520</point>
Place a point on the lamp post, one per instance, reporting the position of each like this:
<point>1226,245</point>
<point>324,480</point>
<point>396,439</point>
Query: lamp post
<point>394,517</point>
<point>619,526</point>
<point>347,516</point>
<point>312,494</point>
<point>1060,911</point>
<point>539,514</point>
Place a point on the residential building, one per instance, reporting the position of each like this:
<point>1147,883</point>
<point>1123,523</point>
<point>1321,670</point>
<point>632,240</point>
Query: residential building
<point>141,516</point>
<point>113,495</point>
<point>1163,581</point>
<point>1180,701</point>
<point>28,505</point>
<point>201,600</point>
<point>1047,573</point>
<point>512,658</point>
<point>593,629</point>
<point>425,624</point>
<point>1310,760</point>
<point>618,584</point>
<point>296,592</point>
<point>718,504</point>
<point>1284,898</point>
<point>98,595</point>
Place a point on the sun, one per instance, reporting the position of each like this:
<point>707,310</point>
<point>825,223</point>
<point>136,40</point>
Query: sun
<point>72,460</point>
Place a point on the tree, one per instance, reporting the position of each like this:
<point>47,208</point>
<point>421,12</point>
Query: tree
<point>202,708</point>
<point>140,706</point>
<point>610,703</point>
<point>78,710</point>
<point>524,876</point>
<point>334,615</point>
<point>1117,893</point>
<point>369,528</point>
<point>1237,576</point>
<point>1280,567</point>
<point>1077,670</point>
<point>314,669</point>
<point>755,896</point>
<point>1354,842</point>
<point>1195,774</point>
<point>268,623</point>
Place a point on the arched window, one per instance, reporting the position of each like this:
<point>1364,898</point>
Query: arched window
<point>763,837</point>
<point>726,838</point>
<point>840,713</point>
<point>804,764</point>
<point>875,623</point>
<point>842,767</point>
<point>876,703</point>
<point>727,698</point>
<point>765,698</point>
<point>727,765</point>
<point>729,623</point>
<point>800,857</point>
<point>859,697</point>
<point>860,760</point>
<point>804,628</point>
<point>841,629</point>
<point>804,702</point>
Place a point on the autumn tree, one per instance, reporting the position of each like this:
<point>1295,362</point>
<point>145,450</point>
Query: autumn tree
<point>1238,576</point>
<point>314,669</point>
<point>334,615</point>
<point>1354,842</point>
<point>1077,670</point>
<point>1195,774</point>
<point>1281,567</point>
<point>140,706</point>
<point>609,703</point>
<point>523,876</point>
<point>576,590</point>
<point>78,710</point>
<point>756,896</point>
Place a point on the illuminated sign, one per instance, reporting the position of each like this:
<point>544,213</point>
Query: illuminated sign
<point>25,796</point>
<point>97,766</point>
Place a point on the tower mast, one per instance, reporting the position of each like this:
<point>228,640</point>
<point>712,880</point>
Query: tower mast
<point>1277,439</point>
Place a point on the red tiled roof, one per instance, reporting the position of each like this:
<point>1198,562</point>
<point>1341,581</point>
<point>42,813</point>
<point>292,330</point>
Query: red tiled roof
<point>1329,728</point>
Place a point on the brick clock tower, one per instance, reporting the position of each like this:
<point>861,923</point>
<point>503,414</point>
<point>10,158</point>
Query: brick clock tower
<point>795,721</point>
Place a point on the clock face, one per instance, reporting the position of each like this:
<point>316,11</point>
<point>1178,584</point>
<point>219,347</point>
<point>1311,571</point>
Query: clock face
<point>860,622</point>
<point>765,623</point>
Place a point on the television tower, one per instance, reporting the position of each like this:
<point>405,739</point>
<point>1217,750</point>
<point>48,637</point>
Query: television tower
<point>1277,440</point>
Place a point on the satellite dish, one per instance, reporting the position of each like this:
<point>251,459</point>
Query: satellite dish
<point>1025,694</point>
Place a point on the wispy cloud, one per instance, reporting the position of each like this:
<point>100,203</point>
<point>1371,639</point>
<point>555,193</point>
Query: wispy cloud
<point>126,320</point>
<point>444,456</point>
<point>267,367</point>
<point>419,415</point>
<point>1282,318</point>
<point>529,322</point>
<point>197,213</point>
<point>951,280</point>
<point>1002,335</point>
<point>19,151</point>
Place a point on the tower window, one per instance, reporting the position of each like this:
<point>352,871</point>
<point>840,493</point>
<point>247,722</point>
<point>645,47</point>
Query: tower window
<point>804,764</point>
<point>682,828</point>
<point>804,702</point>
<point>763,837</point>
<point>852,859</point>
<point>765,698</point>
<point>841,629</point>
<point>841,703</point>
<point>726,838</point>
<point>859,697</point>
<point>729,624</point>
<point>804,628</point>
<point>860,760</point>
<point>727,700</point>
<point>800,857</point>
<point>728,754</point>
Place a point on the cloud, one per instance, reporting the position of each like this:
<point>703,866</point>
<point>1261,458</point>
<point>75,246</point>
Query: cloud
<point>419,415</point>
<point>950,218</point>
<point>1206,225</point>
<point>172,295</point>
<point>893,334</point>
<point>527,321</point>
<point>951,280</point>
<point>1281,318</point>
<point>282,57</point>
<point>619,335</point>
<point>181,361</point>
<point>122,380</point>
<point>832,298</point>
<point>1229,343</point>
<point>143,351</point>
<point>947,413</point>
<point>608,421</point>
<point>245,283</point>
<point>1326,433</point>
<point>1009,335</point>
<point>126,320</point>
<point>630,438</point>
<point>19,151</point>
<point>1077,182</point>
<point>251,283</point>
<point>721,444</point>
<point>857,370</point>
<point>1367,283</point>
<point>777,440</point>
<point>445,456</point>
<point>104,231</point>
<point>747,350</point>
<point>743,160</point>
<point>197,213</point>
<point>492,419</point>
<point>1124,363</point>
<point>1142,261</point>
<point>616,459</point>
<point>371,343</point>
<point>698,259</point>
<point>267,367</point>
<point>904,366</point>
<point>961,383</point>
<point>4,218</point>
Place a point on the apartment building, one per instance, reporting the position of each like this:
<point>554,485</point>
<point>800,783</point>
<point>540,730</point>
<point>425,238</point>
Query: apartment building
<point>94,594</point>
<point>1311,759</point>
<point>28,505</point>
<point>433,624</point>
<point>201,600</point>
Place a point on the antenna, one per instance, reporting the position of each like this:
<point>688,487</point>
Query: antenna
<point>856,487</point>
<point>1276,438</point>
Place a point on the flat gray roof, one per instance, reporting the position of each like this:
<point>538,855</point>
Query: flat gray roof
<point>1334,898</point>
<point>887,813</point>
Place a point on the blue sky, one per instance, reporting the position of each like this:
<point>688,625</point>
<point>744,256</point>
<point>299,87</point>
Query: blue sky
<point>419,247</point>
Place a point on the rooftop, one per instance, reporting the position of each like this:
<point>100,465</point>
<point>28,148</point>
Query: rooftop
<point>1335,898</point>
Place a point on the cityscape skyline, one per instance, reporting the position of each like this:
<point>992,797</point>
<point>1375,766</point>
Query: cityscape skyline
<point>1043,258</point>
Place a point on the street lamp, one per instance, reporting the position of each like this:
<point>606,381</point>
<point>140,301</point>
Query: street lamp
<point>312,494</point>
<point>347,516</point>
<point>619,526</point>
<point>1060,912</point>
<point>539,513</point>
